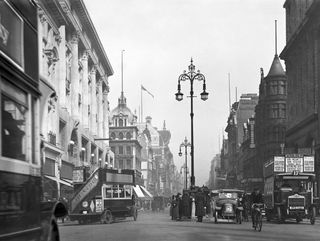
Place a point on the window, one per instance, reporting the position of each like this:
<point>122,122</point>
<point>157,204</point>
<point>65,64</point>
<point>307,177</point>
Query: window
<point>14,114</point>
<point>128,135</point>
<point>121,166</point>
<point>120,149</point>
<point>120,122</point>
<point>129,166</point>
<point>11,34</point>
<point>128,150</point>
<point>113,135</point>
<point>117,191</point>
<point>120,135</point>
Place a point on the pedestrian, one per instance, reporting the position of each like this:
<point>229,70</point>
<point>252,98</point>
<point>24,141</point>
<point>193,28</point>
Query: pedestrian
<point>175,211</point>
<point>200,204</point>
<point>185,205</point>
<point>171,212</point>
<point>179,204</point>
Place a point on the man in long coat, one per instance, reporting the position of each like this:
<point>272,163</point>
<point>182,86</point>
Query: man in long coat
<point>200,204</point>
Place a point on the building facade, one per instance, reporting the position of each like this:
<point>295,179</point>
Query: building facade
<point>302,59</point>
<point>270,124</point>
<point>74,107</point>
<point>124,139</point>
<point>240,112</point>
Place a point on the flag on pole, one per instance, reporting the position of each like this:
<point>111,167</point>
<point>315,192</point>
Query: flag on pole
<point>146,91</point>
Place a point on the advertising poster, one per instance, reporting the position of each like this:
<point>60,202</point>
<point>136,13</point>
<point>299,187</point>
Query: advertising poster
<point>308,164</point>
<point>279,164</point>
<point>294,164</point>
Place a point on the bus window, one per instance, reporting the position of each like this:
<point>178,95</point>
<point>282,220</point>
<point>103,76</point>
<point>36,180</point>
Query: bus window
<point>108,192</point>
<point>127,190</point>
<point>115,190</point>
<point>121,191</point>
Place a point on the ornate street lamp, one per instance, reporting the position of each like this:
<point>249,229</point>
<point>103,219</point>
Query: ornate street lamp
<point>185,144</point>
<point>192,75</point>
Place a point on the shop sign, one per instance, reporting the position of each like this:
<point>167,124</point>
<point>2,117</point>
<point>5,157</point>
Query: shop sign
<point>11,34</point>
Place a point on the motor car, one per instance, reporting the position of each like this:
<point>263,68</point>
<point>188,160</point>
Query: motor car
<point>228,206</point>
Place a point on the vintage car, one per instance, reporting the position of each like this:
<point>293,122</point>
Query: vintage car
<point>228,205</point>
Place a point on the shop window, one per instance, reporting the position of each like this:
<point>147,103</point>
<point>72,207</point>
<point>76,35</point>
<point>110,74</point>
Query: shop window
<point>14,115</point>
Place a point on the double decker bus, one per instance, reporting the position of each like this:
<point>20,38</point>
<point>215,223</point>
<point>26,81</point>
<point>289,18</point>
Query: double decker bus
<point>24,214</point>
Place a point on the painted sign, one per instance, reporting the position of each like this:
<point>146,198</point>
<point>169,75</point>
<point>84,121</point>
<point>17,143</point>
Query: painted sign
<point>278,164</point>
<point>92,183</point>
<point>308,163</point>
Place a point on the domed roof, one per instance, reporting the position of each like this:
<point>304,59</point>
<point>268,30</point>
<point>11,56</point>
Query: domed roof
<point>276,68</point>
<point>123,110</point>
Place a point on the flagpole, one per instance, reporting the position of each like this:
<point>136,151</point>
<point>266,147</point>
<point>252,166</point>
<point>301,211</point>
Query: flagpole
<point>141,104</point>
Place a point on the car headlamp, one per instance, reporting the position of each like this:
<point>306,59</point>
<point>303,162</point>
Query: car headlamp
<point>85,204</point>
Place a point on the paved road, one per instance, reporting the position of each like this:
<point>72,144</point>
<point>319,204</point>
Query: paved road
<point>158,227</point>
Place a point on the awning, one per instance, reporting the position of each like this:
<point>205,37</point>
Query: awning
<point>59,180</point>
<point>138,192</point>
<point>147,194</point>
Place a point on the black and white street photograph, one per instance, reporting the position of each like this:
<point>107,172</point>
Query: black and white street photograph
<point>171,120</point>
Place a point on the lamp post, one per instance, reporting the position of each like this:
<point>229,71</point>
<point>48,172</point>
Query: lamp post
<point>192,75</point>
<point>185,144</point>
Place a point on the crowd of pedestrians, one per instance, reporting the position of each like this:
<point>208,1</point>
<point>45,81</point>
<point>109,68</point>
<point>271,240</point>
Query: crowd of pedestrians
<point>181,205</point>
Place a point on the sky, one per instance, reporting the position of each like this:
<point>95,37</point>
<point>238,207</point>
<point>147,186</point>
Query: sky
<point>160,38</point>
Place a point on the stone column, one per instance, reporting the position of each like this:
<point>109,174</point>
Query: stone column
<point>100,108</point>
<point>62,68</point>
<point>85,91</point>
<point>75,77</point>
<point>93,102</point>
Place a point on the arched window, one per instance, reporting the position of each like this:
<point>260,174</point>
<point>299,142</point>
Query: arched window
<point>128,136</point>
<point>113,135</point>
<point>120,135</point>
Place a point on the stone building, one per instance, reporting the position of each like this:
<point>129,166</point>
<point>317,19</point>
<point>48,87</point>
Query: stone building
<point>247,156</point>
<point>240,112</point>
<point>124,139</point>
<point>74,71</point>
<point>270,123</point>
<point>302,59</point>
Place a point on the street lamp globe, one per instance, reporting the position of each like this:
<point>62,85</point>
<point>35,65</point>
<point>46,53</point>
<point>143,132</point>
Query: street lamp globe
<point>179,96</point>
<point>204,95</point>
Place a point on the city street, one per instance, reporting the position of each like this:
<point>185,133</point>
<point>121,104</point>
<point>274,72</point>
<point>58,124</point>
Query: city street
<point>158,226</point>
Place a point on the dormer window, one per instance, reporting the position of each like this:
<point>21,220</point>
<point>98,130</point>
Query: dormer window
<point>120,122</point>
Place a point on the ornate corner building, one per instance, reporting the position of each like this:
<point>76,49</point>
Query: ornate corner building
<point>74,108</point>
